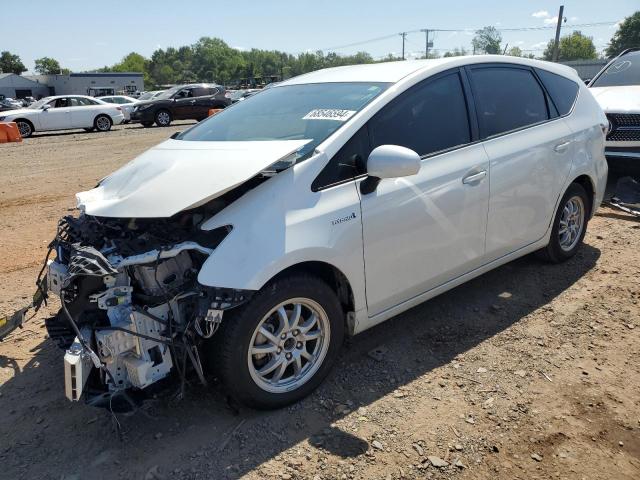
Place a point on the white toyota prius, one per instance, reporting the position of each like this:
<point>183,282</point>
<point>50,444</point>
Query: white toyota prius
<point>64,112</point>
<point>250,244</point>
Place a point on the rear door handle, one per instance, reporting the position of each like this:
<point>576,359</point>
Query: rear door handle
<point>474,177</point>
<point>192,101</point>
<point>561,147</point>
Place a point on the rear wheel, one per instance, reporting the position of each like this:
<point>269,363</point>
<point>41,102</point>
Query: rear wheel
<point>277,348</point>
<point>569,225</point>
<point>25,128</point>
<point>102,123</point>
<point>163,118</point>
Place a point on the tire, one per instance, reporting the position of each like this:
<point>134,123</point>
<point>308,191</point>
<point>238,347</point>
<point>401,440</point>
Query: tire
<point>146,124</point>
<point>238,370</point>
<point>575,205</point>
<point>102,123</point>
<point>163,118</point>
<point>25,127</point>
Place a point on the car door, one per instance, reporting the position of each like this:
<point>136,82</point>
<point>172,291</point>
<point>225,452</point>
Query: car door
<point>58,116</point>
<point>530,154</point>
<point>183,105</point>
<point>83,112</point>
<point>205,100</point>
<point>421,231</point>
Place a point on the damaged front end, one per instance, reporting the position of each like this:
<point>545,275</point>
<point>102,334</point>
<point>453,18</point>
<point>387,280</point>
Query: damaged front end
<point>132,308</point>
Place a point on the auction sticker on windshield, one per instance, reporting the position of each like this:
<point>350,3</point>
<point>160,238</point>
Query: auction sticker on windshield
<point>329,114</point>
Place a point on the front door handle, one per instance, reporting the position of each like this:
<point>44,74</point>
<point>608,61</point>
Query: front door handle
<point>561,147</point>
<point>474,177</point>
<point>192,101</point>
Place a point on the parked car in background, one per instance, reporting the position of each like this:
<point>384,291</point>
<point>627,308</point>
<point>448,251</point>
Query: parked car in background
<point>150,95</point>
<point>9,103</point>
<point>321,207</point>
<point>239,95</point>
<point>64,112</point>
<point>127,104</point>
<point>183,102</point>
<point>617,89</point>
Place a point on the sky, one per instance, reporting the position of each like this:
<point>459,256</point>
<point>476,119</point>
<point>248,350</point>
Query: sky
<point>85,35</point>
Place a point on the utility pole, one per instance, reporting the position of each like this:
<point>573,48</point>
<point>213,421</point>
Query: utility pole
<point>556,45</point>
<point>404,37</point>
<point>426,42</point>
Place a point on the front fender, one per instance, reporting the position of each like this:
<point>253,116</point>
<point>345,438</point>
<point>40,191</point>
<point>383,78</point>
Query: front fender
<point>282,223</point>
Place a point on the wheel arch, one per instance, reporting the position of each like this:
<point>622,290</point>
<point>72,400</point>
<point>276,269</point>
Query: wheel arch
<point>333,277</point>
<point>22,119</point>
<point>587,183</point>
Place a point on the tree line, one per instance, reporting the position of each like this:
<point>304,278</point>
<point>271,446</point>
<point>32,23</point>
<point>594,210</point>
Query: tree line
<point>212,60</point>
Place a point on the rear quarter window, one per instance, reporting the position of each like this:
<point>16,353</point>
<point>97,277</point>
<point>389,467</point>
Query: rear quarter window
<point>507,99</point>
<point>563,91</point>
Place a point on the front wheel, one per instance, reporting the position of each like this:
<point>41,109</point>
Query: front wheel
<point>25,128</point>
<point>163,118</point>
<point>569,225</point>
<point>279,346</point>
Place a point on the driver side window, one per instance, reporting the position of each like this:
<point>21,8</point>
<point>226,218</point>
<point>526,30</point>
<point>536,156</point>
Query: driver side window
<point>347,164</point>
<point>62,103</point>
<point>185,93</point>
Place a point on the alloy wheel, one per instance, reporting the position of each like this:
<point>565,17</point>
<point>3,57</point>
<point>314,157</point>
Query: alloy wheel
<point>163,118</point>
<point>289,345</point>
<point>103,124</point>
<point>571,223</point>
<point>24,128</point>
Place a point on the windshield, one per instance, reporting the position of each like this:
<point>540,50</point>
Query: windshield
<point>623,71</point>
<point>169,93</point>
<point>40,103</point>
<point>294,112</point>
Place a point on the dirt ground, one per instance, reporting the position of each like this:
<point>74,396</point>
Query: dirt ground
<point>528,372</point>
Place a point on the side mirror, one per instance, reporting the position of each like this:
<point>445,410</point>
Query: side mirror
<point>389,161</point>
<point>46,107</point>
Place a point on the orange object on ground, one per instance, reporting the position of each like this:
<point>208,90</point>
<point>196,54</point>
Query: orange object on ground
<point>9,132</point>
<point>213,111</point>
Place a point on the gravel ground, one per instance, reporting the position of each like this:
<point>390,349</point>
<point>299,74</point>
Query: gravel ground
<point>530,371</point>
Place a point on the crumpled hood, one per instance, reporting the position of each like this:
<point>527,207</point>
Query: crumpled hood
<point>618,99</point>
<point>176,175</point>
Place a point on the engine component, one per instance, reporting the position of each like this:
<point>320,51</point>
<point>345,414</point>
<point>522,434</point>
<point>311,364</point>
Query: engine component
<point>57,276</point>
<point>128,348</point>
<point>77,365</point>
<point>167,277</point>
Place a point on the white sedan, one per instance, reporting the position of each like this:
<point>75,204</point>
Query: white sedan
<point>127,104</point>
<point>64,112</point>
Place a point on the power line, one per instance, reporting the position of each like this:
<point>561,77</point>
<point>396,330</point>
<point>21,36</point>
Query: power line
<point>472,30</point>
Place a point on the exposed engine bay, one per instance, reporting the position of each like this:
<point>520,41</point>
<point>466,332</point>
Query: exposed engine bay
<point>132,308</point>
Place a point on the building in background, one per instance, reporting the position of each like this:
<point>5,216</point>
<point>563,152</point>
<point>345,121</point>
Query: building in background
<point>587,69</point>
<point>16,86</point>
<point>94,84</point>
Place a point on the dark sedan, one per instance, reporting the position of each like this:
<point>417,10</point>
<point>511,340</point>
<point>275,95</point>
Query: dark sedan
<point>184,102</point>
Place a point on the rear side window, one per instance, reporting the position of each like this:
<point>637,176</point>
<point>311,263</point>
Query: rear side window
<point>563,91</point>
<point>507,99</point>
<point>429,117</point>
